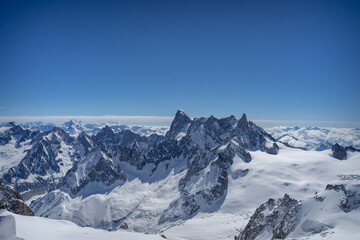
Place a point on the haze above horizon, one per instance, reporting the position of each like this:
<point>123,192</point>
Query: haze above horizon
<point>283,60</point>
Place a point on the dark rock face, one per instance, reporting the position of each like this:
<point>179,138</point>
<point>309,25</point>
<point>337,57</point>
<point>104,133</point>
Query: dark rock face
<point>12,201</point>
<point>243,122</point>
<point>273,150</point>
<point>86,142</point>
<point>339,152</point>
<point>105,136</point>
<point>279,216</point>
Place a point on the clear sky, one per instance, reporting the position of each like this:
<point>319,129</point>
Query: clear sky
<point>288,60</point>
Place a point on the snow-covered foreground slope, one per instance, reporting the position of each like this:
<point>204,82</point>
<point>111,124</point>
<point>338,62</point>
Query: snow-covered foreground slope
<point>314,138</point>
<point>38,228</point>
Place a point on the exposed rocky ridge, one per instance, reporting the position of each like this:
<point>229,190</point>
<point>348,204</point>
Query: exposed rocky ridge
<point>45,164</point>
<point>278,217</point>
<point>12,201</point>
<point>205,147</point>
<point>97,167</point>
<point>18,133</point>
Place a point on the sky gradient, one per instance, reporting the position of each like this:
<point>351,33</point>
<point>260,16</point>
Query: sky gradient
<point>285,60</point>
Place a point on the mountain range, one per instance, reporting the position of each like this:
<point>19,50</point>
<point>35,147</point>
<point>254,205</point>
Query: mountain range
<point>161,180</point>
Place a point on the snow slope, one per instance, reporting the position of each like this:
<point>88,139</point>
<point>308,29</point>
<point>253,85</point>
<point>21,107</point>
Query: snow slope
<point>140,203</point>
<point>38,228</point>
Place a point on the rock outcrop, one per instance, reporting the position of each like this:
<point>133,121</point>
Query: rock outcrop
<point>12,201</point>
<point>279,217</point>
<point>339,152</point>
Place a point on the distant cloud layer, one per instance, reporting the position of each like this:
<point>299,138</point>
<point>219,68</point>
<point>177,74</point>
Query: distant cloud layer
<point>306,123</point>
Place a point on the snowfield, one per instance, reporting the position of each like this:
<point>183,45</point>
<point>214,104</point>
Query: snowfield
<point>38,228</point>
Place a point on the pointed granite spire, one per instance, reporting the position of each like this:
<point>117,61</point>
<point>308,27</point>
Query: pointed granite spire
<point>243,122</point>
<point>180,122</point>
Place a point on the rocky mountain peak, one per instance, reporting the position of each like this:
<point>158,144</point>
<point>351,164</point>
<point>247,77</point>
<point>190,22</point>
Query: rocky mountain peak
<point>106,132</point>
<point>62,134</point>
<point>179,124</point>
<point>181,117</point>
<point>243,122</point>
<point>71,123</point>
<point>16,129</point>
<point>339,152</point>
<point>12,124</point>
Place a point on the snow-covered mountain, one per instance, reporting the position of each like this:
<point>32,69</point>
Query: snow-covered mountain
<point>204,173</point>
<point>196,152</point>
<point>74,127</point>
<point>314,138</point>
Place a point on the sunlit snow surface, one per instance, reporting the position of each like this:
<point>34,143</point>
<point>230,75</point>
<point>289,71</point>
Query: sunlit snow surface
<point>37,228</point>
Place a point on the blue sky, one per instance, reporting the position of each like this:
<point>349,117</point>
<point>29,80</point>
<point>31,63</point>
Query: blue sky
<point>278,60</point>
